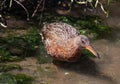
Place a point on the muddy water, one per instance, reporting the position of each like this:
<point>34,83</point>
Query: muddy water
<point>93,71</point>
<point>105,70</point>
<point>88,71</point>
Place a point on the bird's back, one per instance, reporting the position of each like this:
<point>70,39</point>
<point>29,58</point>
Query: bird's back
<point>59,31</point>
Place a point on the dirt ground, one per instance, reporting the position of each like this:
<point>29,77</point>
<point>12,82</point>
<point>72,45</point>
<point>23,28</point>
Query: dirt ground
<point>87,71</point>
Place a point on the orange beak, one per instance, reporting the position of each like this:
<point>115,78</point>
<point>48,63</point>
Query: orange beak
<point>88,47</point>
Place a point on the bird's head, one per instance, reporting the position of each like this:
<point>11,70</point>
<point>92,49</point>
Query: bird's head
<point>84,42</point>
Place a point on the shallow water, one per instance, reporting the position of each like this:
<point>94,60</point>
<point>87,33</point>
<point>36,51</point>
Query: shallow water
<point>105,70</point>
<point>89,71</point>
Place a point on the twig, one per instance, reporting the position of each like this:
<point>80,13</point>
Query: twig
<point>36,9</point>
<point>103,9</point>
<point>23,8</point>
<point>3,21</point>
<point>96,3</point>
<point>81,2</point>
<point>11,1</point>
<point>43,6</point>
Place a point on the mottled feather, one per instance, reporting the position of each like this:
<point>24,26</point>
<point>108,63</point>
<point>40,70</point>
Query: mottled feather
<point>58,39</point>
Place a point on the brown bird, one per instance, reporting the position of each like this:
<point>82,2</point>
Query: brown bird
<point>63,42</point>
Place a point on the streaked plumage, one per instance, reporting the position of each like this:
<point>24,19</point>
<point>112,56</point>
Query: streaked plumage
<point>62,41</point>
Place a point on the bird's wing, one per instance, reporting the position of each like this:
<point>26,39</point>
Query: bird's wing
<point>59,31</point>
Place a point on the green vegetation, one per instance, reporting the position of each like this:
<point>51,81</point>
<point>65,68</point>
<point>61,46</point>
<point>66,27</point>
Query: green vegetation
<point>15,79</point>
<point>6,56</point>
<point>32,40</point>
<point>15,47</point>
<point>23,79</point>
<point>86,25</point>
<point>8,67</point>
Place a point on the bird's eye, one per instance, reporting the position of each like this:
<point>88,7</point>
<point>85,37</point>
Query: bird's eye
<point>83,42</point>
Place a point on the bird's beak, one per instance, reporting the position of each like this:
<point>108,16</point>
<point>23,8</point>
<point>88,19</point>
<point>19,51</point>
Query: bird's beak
<point>88,47</point>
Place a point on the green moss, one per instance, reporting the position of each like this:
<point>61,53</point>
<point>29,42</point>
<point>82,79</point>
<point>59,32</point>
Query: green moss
<point>85,25</point>
<point>23,79</point>
<point>7,79</point>
<point>42,56</point>
<point>21,45</point>
<point>15,79</point>
<point>32,38</point>
<point>84,32</point>
<point>14,47</point>
<point>6,56</point>
<point>8,67</point>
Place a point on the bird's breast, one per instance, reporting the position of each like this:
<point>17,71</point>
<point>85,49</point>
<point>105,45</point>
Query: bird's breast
<point>62,51</point>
